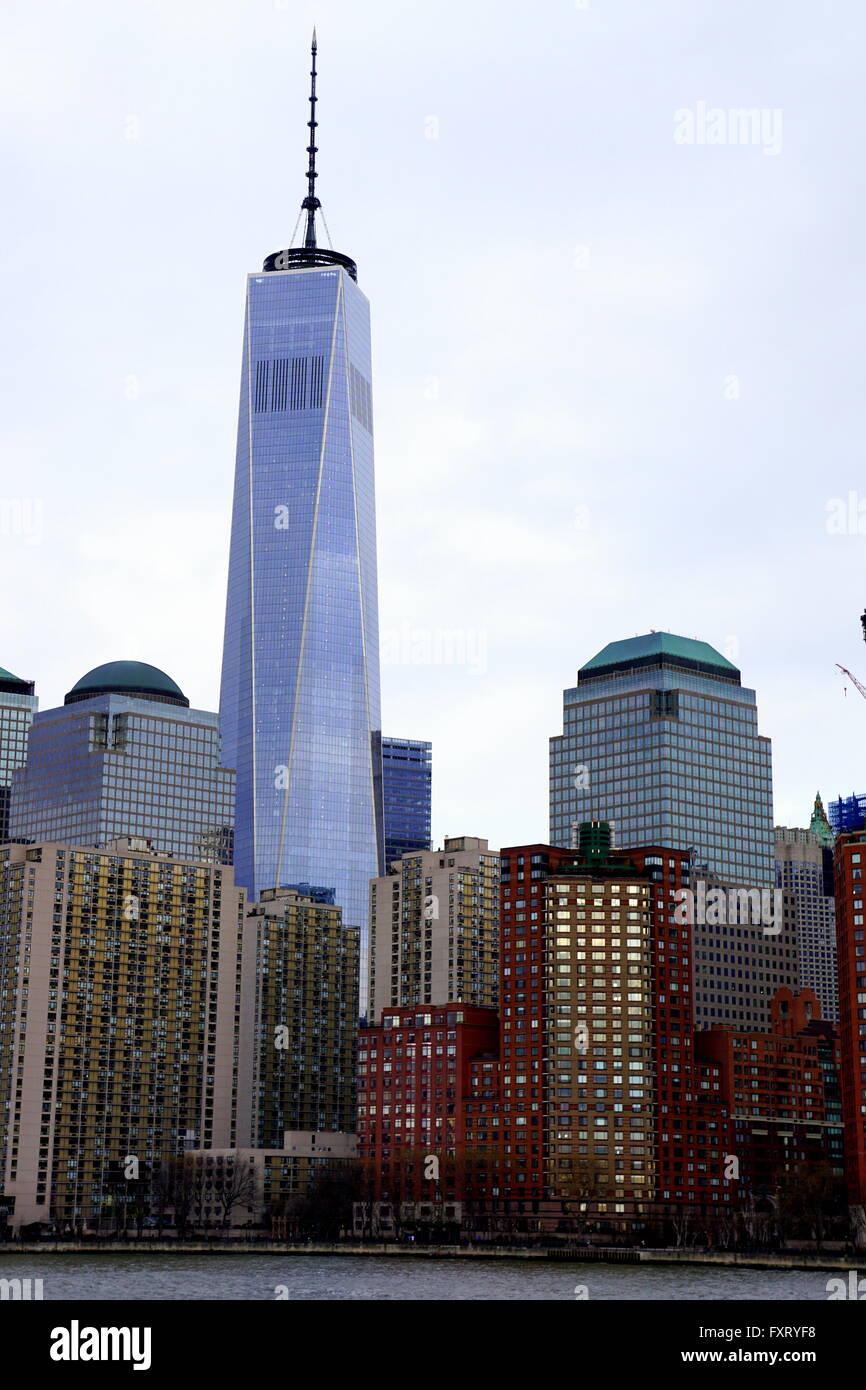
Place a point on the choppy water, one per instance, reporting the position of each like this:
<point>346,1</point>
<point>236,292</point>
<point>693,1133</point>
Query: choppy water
<point>368,1277</point>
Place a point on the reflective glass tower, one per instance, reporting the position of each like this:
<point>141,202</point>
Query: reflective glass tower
<point>18,704</point>
<point>848,813</point>
<point>407,771</point>
<point>299,704</point>
<point>125,755</point>
<point>660,738</point>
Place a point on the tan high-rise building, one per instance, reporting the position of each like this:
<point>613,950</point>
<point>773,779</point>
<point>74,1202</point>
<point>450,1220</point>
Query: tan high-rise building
<point>434,929</point>
<point>120,1001</point>
<point>804,871</point>
<point>300,991</point>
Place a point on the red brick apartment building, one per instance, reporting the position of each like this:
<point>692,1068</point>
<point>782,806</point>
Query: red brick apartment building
<point>591,1104</point>
<point>428,1081</point>
<point>849,860</point>
<point>626,1121</point>
<point>781,1090</point>
<point>525,1014</point>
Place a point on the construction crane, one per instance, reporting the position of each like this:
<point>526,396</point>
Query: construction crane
<point>853,679</point>
<point>850,674</point>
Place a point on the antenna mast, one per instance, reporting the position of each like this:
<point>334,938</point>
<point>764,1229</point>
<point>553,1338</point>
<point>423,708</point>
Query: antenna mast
<point>311,203</point>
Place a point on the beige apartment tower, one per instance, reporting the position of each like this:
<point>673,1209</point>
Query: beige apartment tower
<point>804,872</point>
<point>434,929</point>
<point>120,993</point>
<point>300,1000</point>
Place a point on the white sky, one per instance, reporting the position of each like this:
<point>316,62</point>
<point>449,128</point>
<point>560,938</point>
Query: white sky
<point>561,295</point>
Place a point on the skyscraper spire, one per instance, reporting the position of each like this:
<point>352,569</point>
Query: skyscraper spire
<point>293,697</point>
<point>308,252</point>
<point>311,203</point>
<point>819,824</point>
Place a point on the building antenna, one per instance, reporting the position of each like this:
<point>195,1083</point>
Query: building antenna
<point>308,252</point>
<point>311,204</point>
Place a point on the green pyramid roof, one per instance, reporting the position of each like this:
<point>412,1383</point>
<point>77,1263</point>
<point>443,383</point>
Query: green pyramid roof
<point>661,645</point>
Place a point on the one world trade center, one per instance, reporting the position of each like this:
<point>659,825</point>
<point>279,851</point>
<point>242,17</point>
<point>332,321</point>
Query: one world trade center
<point>299,702</point>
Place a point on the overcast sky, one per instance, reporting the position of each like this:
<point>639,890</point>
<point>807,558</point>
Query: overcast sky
<point>618,369</point>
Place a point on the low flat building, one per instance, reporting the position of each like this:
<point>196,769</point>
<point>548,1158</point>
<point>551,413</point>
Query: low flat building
<point>244,1187</point>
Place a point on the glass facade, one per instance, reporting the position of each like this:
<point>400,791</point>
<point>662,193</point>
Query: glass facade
<point>18,704</point>
<point>661,740</point>
<point>299,704</point>
<point>670,754</point>
<point>407,776</point>
<point>114,765</point>
<point>847,813</point>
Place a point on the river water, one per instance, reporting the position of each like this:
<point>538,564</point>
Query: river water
<point>368,1277</point>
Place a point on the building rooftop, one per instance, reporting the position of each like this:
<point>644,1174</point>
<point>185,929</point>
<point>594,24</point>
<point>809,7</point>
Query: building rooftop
<point>14,685</point>
<point>132,678</point>
<point>660,648</point>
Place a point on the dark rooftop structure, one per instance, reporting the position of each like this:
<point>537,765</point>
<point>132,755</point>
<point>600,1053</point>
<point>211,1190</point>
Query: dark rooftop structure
<point>659,649</point>
<point>133,678</point>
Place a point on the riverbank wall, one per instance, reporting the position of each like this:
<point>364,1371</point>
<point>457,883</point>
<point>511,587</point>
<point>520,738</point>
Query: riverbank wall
<point>803,1260</point>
